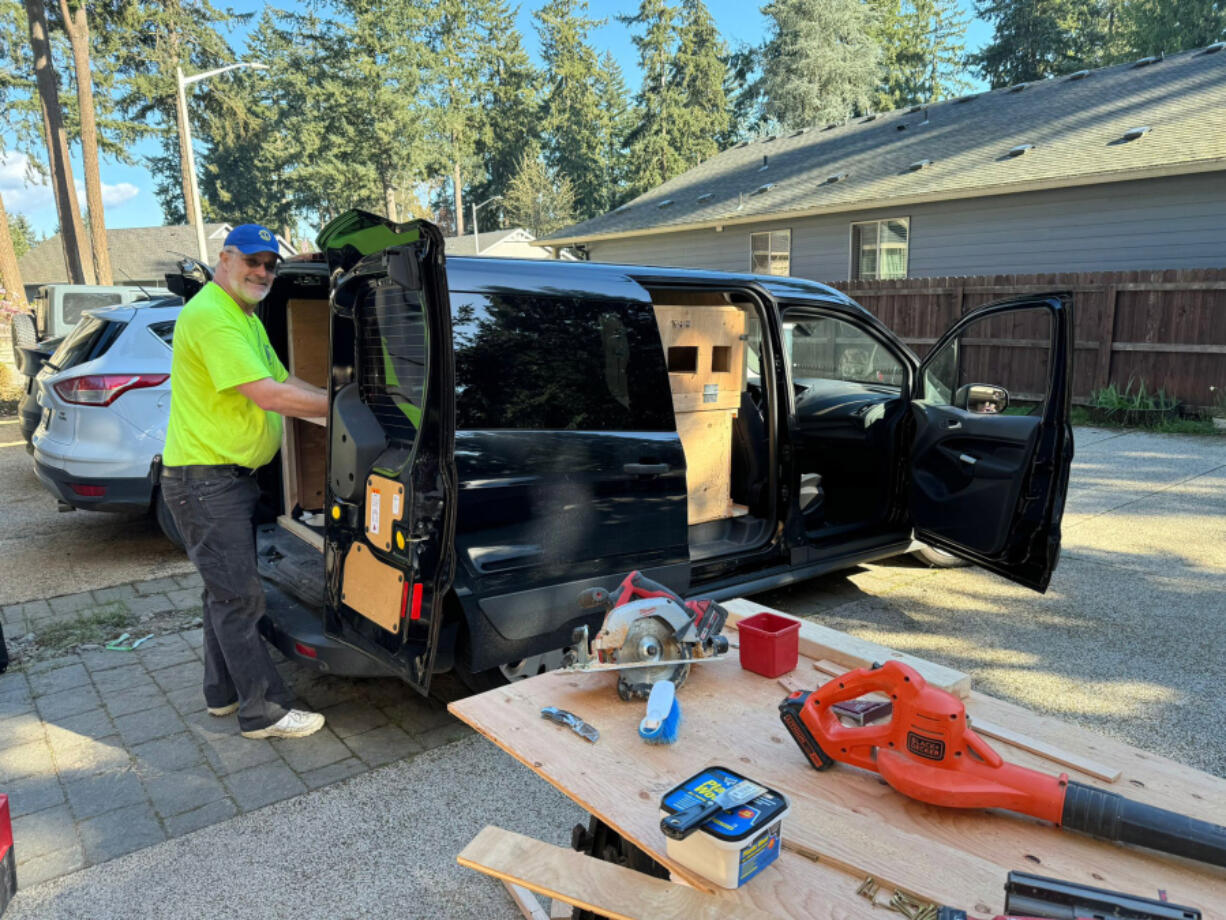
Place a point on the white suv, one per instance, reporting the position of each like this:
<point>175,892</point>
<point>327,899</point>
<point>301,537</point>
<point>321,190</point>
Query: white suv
<point>105,400</point>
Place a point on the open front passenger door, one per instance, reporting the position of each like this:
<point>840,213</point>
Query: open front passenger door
<point>391,441</point>
<point>993,444</point>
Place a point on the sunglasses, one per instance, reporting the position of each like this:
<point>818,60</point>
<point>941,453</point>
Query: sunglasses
<point>269,263</point>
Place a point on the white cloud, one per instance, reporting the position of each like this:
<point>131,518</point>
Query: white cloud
<point>25,191</point>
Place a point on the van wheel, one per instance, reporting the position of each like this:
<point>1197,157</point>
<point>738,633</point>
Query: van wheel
<point>480,681</point>
<point>938,558</point>
<point>166,520</point>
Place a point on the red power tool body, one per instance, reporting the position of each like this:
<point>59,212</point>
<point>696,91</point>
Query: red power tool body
<point>929,752</point>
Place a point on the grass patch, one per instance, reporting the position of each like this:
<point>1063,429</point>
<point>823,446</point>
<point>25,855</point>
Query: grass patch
<point>100,626</point>
<point>1082,416</point>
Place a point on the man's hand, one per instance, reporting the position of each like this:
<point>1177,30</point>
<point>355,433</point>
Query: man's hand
<point>296,400</point>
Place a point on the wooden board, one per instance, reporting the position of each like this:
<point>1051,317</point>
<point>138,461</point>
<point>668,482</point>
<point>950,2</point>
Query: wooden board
<point>713,338</point>
<point>384,506</point>
<point>589,883</point>
<point>307,330</point>
<point>300,530</point>
<point>372,588</point>
<point>818,642</point>
<point>847,819</point>
<point>309,444</point>
<point>706,438</point>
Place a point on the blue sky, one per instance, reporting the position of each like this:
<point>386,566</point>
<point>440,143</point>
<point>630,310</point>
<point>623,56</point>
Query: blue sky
<point>128,188</point>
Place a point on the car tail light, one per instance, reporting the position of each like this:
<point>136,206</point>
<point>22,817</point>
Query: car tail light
<point>87,491</point>
<point>104,389</point>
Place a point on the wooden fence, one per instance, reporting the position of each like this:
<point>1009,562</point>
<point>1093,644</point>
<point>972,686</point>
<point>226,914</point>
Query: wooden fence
<point>1166,328</point>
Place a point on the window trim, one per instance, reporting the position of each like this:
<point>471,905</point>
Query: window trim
<point>851,246</point>
<point>769,251</point>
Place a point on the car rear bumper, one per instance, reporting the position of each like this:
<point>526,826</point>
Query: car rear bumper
<point>126,494</point>
<point>297,633</point>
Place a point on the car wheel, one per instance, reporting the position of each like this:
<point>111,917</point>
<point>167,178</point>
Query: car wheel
<point>166,520</point>
<point>480,681</point>
<point>939,558</point>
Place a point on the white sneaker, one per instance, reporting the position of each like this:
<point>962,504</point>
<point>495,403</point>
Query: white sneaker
<point>294,724</point>
<point>223,710</point>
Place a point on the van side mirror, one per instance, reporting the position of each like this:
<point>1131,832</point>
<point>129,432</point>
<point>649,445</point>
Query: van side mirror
<point>982,398</point>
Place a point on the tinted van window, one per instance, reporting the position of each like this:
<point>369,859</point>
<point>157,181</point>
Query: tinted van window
<point>544,362</point>
<point>392,373</point>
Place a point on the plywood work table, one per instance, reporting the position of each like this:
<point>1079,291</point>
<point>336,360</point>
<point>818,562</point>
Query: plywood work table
<point>845,824</point>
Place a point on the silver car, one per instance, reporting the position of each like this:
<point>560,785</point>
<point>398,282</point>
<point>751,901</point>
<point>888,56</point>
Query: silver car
<point>105,400</point>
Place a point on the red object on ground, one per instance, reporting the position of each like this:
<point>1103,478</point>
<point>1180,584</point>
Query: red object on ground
<point>8,861</point>
<point>770,644</point>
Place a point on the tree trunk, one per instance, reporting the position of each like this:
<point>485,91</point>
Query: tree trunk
<point>10,274</point>
<point>389,201</point>
<point>459,199</point>
<point>77,27</point>
<point>69,212</point>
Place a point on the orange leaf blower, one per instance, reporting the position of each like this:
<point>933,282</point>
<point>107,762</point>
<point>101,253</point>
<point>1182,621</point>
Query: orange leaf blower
<point>928,751</point>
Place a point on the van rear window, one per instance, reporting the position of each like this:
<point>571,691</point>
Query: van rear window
<point>544,362</point>
<point>90,339</point>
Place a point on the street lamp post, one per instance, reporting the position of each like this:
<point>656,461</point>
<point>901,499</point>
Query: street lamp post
<point>185,141</point>
<point>476,235</point>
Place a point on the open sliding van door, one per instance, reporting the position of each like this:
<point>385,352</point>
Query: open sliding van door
<point>391,478</point>
<point>990,467</point>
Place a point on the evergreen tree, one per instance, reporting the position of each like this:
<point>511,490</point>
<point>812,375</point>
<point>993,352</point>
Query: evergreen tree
<point>22,233</point>
<point>922,44</point>
<point>654,157</point>
<point>819,62</point>
<point>511,103</point>
<point>617,120</point>
<point>1165,26</point>
<point>572,120</point>
<point>1034,39</point>
<point>700,74</point>
<point>537,199</point>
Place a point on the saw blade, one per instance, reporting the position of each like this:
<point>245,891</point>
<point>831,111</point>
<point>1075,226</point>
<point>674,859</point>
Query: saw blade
<point>652,647</point>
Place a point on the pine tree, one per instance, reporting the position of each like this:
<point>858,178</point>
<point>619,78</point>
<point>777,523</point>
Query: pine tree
<point>617,120</point>
<point>922,45</point>
<point>511,103</point>
<point>1165,26</point>
<point>819,62</point>
<point>654,157</point>
<point>572,120</point>
<point>536,198</point>
<point>1034,39</point>
<point>700,73</point>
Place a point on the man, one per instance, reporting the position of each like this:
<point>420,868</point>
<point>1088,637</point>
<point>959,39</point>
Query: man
<point>228,393</point>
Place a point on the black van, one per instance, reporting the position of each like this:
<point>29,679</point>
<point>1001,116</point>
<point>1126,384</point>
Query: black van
<point>504,434</point>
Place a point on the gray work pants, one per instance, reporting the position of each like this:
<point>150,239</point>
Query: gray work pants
<point>215,518</point>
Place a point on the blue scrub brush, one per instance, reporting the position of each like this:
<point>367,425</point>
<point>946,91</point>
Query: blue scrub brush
<point>663,717</point>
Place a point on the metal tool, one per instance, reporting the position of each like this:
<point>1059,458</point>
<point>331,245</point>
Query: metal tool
<point>649,632</point>
<point>685,822</point>
<point>564,717</point>
<point>928,751</point>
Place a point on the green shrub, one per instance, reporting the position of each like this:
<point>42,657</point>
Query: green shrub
<point>1112,398</point>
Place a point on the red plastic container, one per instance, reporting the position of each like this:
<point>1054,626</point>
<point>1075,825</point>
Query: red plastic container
<point>8,860</point>
<point>770,644</point>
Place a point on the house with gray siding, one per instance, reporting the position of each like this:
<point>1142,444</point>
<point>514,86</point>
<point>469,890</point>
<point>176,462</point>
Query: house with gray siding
<point>1113,169</point>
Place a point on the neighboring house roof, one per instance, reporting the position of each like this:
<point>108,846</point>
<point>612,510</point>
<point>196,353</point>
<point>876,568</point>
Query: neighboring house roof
<point>142,253</point>
<point>490,239</point>
<point>953,149</point>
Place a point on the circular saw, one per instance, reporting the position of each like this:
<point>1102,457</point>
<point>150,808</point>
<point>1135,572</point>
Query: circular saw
<point>649,634</point>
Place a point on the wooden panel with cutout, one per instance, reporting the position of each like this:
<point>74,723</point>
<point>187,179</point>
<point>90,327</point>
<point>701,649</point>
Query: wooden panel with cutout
<point>705,349</point>
<point>384,506</point>
<point>372,588</point>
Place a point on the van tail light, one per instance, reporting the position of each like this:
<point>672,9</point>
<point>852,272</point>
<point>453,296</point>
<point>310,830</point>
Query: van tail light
<point>305,650</point>
<point>104,389</point>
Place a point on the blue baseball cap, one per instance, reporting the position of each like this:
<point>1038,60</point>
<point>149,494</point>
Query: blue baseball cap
<point>252,238</point>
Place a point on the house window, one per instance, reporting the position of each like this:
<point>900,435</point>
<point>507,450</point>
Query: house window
<point>879,249</point>
<point>770,253</point>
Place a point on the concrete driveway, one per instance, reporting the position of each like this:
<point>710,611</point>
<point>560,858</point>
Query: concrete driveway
<point>1129,641</point>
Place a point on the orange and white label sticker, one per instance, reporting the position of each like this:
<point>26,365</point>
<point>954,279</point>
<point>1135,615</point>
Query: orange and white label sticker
<point>375,499</point>
<point>395,504</point>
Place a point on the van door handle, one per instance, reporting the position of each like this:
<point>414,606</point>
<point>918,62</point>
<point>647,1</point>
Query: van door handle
<point>645,469</point>
<point>953,423</point>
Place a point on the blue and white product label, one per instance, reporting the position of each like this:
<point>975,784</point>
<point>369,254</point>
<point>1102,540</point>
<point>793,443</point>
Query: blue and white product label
<point>739,824</point>
<point>760,854</point>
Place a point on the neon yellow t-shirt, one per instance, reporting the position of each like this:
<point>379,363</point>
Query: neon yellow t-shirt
<point>217,346</point>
